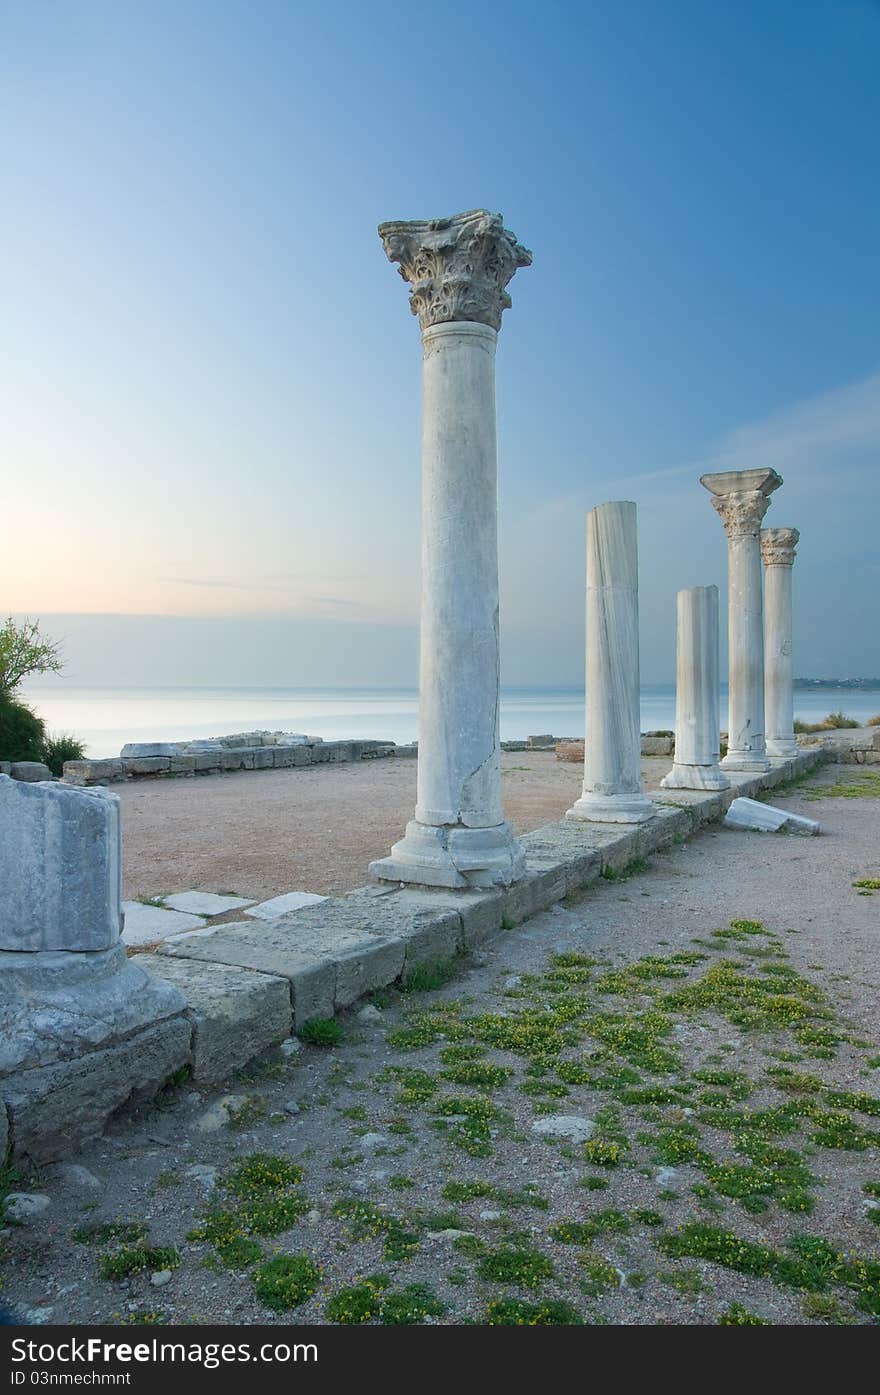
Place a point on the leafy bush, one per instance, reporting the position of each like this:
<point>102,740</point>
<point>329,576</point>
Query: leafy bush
<point>321,1031</point>
<point>58,749</point>
<point>22,732</point>
<point>835,721</point>
<point>875,720</point>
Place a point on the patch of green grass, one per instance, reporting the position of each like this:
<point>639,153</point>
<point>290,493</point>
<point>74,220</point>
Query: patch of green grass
<point>505,1196</point>
<point>865,786</point>
<point>364,1221</point>
<point>358,1302</point>
<point>687,1282</point>
<point>814,1265</point>
<point>263,1189</point>
<point>426,978</point>
<point>286,1281</point>
<point>321,1031</point>
<point>411,1305</point>
<point>516,1312</point>
<point>868,884</point>
<point>134,1259</point>
<point>735,1315</point>
<point>523,1266</point>
<point>399,1182</point>
<point>599,1274</point>
<point>824,1307</point>
<point>479,1074</point>
<point>583,1232</point>
<point>105,1232</point>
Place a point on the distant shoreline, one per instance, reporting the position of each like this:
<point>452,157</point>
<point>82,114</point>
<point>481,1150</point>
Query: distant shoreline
<point>854,685</point>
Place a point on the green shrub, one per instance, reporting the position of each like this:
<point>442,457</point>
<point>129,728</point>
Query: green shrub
<point>22,732</point>
<point>58,749</point>
<point>321,1031</point>
<point>287,1281</point>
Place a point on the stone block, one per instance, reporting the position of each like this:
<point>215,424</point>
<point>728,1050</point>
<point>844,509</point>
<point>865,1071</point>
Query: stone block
<point>657,745</point>
<point>92,772</point>
<point>235,1013</point>
<point>278,906</point>
<point>540,888</point>
<point>146,765</point>
<point>264,758</point>
<point>371,964</point>
<point>148,749</point>
<point>30,771</point>
<point>204,903</point>
<point>268,948</point>
<point>541,743</point>
<point>5,767</point>
<point>183,765</point>
<point>208,761</point>
<point>60,867</point>
<point>410,750</point>
<point>55,1109</point>
<point>145,925</point>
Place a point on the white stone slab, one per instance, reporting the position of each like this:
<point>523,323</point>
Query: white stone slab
<point>145,924</point>
<point>207,903</point>
<point>766,818</point>
<point>281,905</point>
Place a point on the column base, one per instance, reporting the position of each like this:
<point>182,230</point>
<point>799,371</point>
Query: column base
<point>748,761</point>
<point>695,777</point>
<point>781,749</point>
<point>611,808</point>
<point>453,856</point>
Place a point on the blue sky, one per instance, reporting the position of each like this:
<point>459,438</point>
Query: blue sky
<point>209,376</point>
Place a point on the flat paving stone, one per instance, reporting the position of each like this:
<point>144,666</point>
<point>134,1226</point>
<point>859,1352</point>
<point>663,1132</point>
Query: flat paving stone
<point>146,924</point>
<point>283,905</point>
<point>207,903</point>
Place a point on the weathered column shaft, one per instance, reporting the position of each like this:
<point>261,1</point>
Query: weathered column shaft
<point>458,776</point>
<point>612,752</point>
<point>741,498</point>
<point>697,715</point>
<point>458,269</point>
<point>778,554</point>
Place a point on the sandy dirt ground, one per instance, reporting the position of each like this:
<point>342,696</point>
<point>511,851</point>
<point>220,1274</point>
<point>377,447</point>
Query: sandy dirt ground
<point>737,1144</point>
<point>260,833</point>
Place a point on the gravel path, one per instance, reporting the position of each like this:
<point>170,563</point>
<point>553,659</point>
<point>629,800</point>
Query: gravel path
<point>260,833</point>
<point>379,1125</point>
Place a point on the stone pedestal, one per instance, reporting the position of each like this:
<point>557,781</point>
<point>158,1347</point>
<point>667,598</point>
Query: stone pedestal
<point>612,759</point>
<point>778,553</point>
<point>458,269</point>
<point>82,1030</point>
<point>697,718</point>
<point>741,498</point>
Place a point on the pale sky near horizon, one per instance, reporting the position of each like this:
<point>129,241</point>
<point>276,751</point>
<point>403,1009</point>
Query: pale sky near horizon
<point>209,375</point>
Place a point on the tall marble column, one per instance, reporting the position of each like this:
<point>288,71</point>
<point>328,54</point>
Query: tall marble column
<point>458,269</point>
<point>778,554</point>
<point>741,498</point>
<point>612,752</point>
<point>697,717</point>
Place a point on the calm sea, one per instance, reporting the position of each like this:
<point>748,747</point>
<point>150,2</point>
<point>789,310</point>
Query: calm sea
<point>105,718</point>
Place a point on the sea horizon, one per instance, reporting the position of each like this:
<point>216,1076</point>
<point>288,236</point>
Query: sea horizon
<point>104,719</point>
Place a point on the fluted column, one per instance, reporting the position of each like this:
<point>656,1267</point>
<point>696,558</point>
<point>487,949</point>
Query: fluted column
<point>778,553</point>
<point>697,716</point>
<point>741,498</point>
<point>612,751</point>
<point>458,269</point>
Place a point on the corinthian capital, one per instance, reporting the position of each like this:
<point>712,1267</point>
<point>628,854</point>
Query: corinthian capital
<point>741,513</point>
<point>458,267</point>
<point>741,498</point>
<point>778,546</point>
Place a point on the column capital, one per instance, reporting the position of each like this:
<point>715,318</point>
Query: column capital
<point>741,513</point>
<point>458,267</point>
<point>778,546</point>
